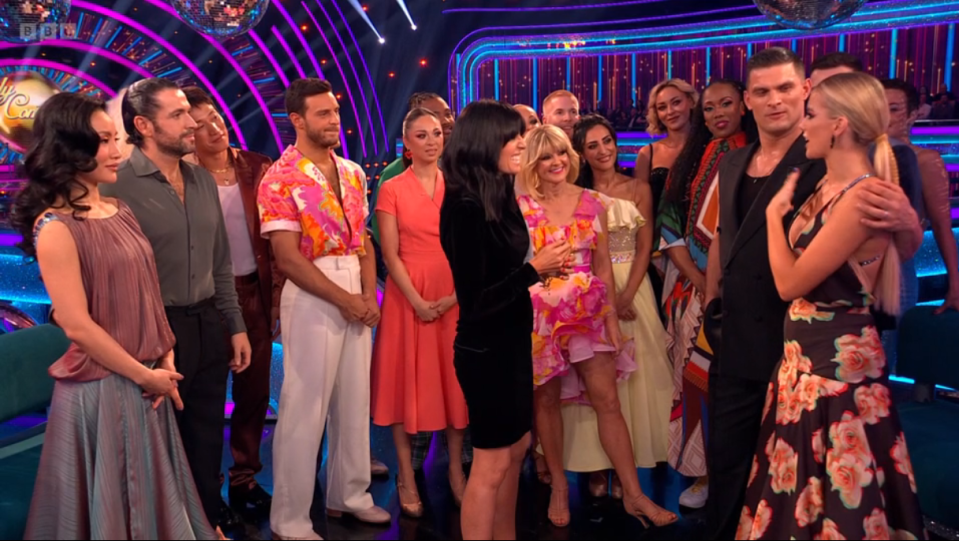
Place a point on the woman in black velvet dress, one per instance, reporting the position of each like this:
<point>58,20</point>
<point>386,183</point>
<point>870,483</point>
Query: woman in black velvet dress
<point>485,239</point>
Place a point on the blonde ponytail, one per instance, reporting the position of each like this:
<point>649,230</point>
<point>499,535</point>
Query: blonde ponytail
<point>887,291</point>
<point>862,100</point>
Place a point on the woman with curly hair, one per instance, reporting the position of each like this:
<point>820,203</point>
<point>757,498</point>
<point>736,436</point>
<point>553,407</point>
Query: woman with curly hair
<point>113,465</point>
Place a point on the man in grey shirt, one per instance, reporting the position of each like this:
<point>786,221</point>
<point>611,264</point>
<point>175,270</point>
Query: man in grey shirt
<point>178,209</point>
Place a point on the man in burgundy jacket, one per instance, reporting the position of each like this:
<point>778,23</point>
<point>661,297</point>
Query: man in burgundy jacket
<point>258,285</point>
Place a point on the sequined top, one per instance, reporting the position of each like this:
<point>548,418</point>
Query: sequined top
<point>624,221</point>
<point>122,289</point>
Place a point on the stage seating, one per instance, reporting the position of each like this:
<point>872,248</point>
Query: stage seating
<point>929,352</point>
<point>25,356</point>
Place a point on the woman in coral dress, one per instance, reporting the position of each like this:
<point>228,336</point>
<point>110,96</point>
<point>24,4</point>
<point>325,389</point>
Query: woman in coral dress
<point>414,385</point>
<point>832,461</point>
<point>578,351</point>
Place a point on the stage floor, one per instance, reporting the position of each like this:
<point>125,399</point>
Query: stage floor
<point>591,518</point>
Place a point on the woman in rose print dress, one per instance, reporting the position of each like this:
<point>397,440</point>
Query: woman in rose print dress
<point>832,461</point>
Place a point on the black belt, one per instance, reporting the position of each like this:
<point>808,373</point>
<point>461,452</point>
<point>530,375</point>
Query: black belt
<point>192,309</point>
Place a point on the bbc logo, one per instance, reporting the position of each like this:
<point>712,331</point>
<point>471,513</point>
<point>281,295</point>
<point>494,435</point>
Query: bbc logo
<point>40,32</point>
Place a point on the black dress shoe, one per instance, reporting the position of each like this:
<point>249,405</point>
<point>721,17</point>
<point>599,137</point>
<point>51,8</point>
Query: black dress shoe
<point>255,500</point>
<point>229,520</point>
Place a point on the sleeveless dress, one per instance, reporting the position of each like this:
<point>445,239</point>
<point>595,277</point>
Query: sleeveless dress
<point>831,461</point>
<point>689,352</point>
<point>658,178</point>
<point>111,466</point>
<point>646,396</point>
<point>413,378</point>
<point>569,312</point>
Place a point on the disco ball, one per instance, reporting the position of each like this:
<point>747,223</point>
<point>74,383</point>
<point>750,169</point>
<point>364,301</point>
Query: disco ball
<point>20,19</point>
<point>221,18</point>
<point>808,14</point>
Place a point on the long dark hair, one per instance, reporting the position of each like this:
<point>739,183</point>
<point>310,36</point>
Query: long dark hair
<point>64,145</point>
<point>470,161</point>
<point>586,123</point>
<point>687,163</point>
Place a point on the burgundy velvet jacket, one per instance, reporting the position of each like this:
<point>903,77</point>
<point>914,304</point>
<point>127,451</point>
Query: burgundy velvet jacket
<point>250,168</point>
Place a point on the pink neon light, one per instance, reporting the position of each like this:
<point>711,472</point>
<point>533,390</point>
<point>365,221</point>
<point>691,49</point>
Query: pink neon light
<point>39,63</point>
<point>87,48</point>
<point>106,12</point>
<point>271,58</point>
<point>316,65</point>
<point>240,70</point>
<point>289,52</point>
<point>346,83</point>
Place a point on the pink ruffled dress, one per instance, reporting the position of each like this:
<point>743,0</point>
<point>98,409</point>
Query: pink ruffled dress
<point>569,312</point>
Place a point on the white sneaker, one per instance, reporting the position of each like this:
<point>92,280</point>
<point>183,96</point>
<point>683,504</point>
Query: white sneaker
<point>695,496</point>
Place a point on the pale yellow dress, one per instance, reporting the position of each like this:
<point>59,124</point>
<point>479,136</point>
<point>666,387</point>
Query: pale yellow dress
<point>647,395</point>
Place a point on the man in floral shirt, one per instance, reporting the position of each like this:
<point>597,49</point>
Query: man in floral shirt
<point>313,208</point>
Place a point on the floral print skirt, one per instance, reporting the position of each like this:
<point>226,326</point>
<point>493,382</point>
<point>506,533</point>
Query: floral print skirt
<point>832,461</point>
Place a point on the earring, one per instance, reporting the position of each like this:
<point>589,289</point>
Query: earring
<point>832,143</point>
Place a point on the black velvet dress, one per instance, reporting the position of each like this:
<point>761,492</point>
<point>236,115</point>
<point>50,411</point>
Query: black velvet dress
<point>493,347</point>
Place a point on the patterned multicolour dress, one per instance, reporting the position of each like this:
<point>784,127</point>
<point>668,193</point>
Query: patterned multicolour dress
<point>832,461</point>
<point>689,352</point>
<point>569,324</point>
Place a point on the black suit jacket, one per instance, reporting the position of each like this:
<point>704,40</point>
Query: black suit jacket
<point>753,312</point>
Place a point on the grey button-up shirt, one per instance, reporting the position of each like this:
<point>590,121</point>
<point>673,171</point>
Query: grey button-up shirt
<point>189,239</point>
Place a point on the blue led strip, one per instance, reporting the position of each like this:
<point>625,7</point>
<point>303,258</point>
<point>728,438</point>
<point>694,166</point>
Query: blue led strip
<point>842,43</point>
<point>569,73</point>
<point>950,54</point>
<point>633,72</point>
<point>709,65</point>
<point>535,99</point>
<point>893,50</point>
<point>669,64</point>
<point>496,79</point>
<point>599,79</point>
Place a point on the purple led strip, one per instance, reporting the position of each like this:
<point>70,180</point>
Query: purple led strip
<point>339,67</point>
<point>935,130</point>
<point>240,70</point>
<point>39,63</point>
<point>269,56</point>
<point>110,14</point>
<point>309,53</point>
<point>289,51</point>
<point>450,69</point>
<point>366,68</point>
<point>87,48</point>
<point>554,8</point>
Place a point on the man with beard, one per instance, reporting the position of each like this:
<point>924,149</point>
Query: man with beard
<point>313,208</point>
<point>178,209</point>
<point>561,109</point>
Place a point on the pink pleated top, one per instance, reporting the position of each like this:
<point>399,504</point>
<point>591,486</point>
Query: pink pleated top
<point>123,292</point>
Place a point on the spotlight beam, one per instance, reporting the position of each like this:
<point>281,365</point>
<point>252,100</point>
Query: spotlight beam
<point>407,12</point>
<point>359,9</point>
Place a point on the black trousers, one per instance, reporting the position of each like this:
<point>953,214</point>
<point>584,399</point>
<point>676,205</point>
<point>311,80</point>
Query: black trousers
<point>735,416</point>
<point>203,358</point>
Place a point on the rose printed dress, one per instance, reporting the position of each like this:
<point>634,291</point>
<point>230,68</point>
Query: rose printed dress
<point>569,312</point>
<point>832,461</point>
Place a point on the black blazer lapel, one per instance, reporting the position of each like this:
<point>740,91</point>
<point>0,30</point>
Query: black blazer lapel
<point>729,187</point>
<point>755,219</point>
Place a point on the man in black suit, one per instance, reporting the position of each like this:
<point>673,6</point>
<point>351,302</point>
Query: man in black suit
<point>752,310</point>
